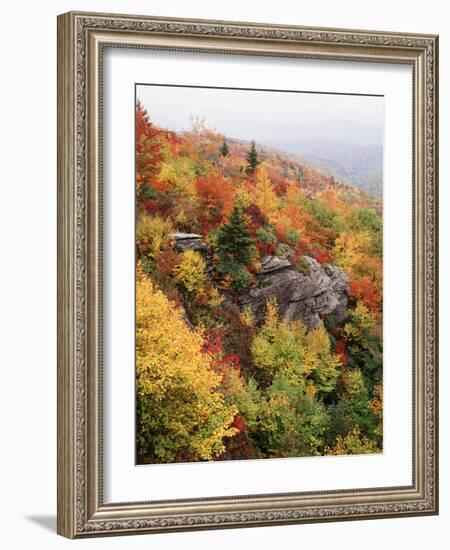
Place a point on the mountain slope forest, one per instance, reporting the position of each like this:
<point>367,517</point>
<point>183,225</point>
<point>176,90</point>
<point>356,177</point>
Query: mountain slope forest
<point>357,164</point>
<point>258,303</point>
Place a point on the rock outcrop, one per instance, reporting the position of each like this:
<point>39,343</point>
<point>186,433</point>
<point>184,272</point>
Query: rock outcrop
<point>304,296</point>
<point>269,264</point>
<point>189,241</point>
<point>317,290</point>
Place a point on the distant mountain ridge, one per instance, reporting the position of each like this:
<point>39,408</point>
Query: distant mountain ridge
<point>313,178</point>
<point>358,165</point>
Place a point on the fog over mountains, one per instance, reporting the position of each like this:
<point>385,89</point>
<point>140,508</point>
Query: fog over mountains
<point>360,165</point>
<point>340,134</point>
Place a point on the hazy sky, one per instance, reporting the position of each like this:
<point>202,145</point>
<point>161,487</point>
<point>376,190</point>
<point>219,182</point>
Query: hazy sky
<point>268,116</point>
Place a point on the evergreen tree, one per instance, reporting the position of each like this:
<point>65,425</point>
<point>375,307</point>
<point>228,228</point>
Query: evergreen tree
<point>252,159</point>
<point>236,248</point>
<point>234,240</point>
<point>225,149</point>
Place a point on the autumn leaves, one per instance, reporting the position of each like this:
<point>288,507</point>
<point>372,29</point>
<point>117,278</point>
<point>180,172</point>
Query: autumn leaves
<point>212,384</point>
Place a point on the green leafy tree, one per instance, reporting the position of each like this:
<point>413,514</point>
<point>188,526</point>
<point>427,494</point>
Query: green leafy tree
<point>364,219</point>
<point>353,411</point>
<point>276,348</point>
<point>304,358</point>
<point>358,398</point>
<point>291,422</point>
<point>252,159</point>
<point>353,444</point>
<point>364,344</point>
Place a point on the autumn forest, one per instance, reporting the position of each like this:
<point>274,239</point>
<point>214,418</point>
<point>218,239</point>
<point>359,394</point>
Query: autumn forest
<point>258,302</point>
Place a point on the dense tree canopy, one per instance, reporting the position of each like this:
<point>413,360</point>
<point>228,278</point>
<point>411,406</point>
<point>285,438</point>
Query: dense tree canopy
<point>180,409</point>
<point>212,382</point>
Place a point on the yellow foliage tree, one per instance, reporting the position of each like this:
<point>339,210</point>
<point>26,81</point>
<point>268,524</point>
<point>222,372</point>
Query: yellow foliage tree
<point>190,272</point>
<point>376,406</point>
<point>305,358</point>
<point>247,317</point>
<point>353,444</point>
<point>349,248</point>
<point>362,323</point>
<point>180,408</point>
<point>152,233</point>
<point>265,197</point>
<point>180,175</point>
<point>318,359</point>
<point>275,348</point>
<point>243,198</point>
<point>354,252</point>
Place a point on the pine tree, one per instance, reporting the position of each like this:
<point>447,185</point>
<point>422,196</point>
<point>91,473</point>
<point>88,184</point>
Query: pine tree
<point>236,248</point>
<point>225,149</point>
<point>235,242</point>
<point>252,159</point>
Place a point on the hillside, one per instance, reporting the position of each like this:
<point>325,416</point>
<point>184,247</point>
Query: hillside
<point>319,165</point>
<point>258,303</point>
<point>358,165</point>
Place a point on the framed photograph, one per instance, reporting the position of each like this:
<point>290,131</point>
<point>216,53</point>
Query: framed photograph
<point>247,274</point>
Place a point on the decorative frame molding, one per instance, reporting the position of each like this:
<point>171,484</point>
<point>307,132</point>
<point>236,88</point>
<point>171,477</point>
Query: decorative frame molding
<point>81,37</point>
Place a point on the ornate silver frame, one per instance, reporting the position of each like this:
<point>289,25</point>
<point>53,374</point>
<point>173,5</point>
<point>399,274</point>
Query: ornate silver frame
<point>81,510</point>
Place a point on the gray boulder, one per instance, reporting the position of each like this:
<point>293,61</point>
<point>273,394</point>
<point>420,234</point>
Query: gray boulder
<point>273,263</point>
<point>189,241</point>
<point>300,296</point>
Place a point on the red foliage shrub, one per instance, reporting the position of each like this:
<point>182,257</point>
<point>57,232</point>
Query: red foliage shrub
<point>161,186</point>
<point>215,194</point>
<point>155,207</point>
<point>148,146</point>
<point>239,423</point>
<point>256,218</point>
<point>363,289</point>
<point>150,205</point>
<point>323,257</point>
<point>265,249</point>
<point>240,447</point>
<point>173,139</point>
<point>280,232</point>
<point>280,188</point>
<point>231,360</point>
<point>295,257</point>
<point>167,260</point>
<point>304,248</point>
<point>213,342</point>
<point>340,350</point>
<point>185,456</point>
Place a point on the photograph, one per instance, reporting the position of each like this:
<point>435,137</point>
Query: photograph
<point>259,273</point>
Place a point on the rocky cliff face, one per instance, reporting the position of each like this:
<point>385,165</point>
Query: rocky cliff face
<point>305,296</point>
